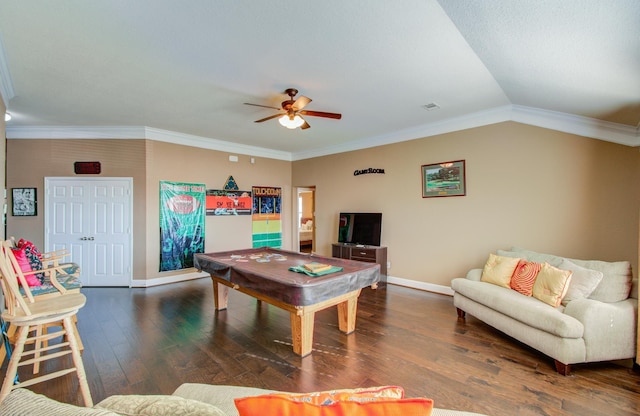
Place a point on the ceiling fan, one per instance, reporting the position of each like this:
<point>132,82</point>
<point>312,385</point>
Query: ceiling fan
<point>291,118</point>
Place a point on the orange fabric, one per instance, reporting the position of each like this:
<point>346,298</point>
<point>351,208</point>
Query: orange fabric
<point>283,406</point>
<point>331,396</point>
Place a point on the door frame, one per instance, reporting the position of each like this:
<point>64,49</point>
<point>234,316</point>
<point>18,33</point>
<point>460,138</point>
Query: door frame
<point>49,180</point>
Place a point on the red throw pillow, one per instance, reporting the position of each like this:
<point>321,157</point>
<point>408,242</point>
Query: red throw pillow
<point>34,257</point>
<point>21,256</point>
<point>524,276</point>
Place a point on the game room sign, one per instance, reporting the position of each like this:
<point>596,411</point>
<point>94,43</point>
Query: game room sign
<point>367,171</point>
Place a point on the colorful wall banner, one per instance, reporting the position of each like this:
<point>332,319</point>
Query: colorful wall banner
<point>221,202</point>
<point>266,209</point>
<point>182,214</point>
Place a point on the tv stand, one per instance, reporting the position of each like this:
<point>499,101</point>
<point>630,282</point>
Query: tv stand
<point>369,254</point>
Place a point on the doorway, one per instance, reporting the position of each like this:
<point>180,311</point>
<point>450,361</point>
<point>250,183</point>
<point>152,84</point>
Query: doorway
<point>306,224</point>
<point>91,219</point>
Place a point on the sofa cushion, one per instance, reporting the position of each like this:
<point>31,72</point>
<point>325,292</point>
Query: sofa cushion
<point>531,256</point>
<point>583,281</point>
<point>524,276</point>
<point>278,405</point>
<point>498,270</point>
<point>23,402</point>
<point>615,285</point>
<point>528,310</point>
<point>551,284</point>
<point>157,405</point>
<point>616,282</point>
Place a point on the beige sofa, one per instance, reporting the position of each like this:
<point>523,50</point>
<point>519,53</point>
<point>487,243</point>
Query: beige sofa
<point>598,327</point>
<point>188,400</point>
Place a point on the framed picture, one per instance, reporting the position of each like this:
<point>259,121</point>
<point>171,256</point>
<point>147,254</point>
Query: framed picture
<point>444,179</point>
<point>24,202</point>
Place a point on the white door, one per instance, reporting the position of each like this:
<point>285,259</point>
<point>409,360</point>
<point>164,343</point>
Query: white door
<point>91,218</point>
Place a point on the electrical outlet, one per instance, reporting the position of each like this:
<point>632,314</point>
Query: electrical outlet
<point>388,265</point>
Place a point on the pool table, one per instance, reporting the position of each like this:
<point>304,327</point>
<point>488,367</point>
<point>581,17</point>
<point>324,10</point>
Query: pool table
<point>264,273</point>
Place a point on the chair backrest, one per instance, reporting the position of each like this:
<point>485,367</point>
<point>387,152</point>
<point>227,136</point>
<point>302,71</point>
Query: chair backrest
<point>11,278</point>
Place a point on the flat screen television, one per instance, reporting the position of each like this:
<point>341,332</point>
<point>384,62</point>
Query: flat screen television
<point>360,228</point>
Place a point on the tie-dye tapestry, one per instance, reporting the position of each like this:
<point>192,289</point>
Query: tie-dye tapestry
<point>266,209</point>
<point>182,214</point>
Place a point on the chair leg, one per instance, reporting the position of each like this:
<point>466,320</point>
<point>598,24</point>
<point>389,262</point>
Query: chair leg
<point>40,329</point>
<point>12,368</point>
<point>77,360</point>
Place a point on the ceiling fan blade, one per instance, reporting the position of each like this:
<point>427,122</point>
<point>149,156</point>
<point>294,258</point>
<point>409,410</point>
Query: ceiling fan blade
<point>264,106</point>
<point>300,103</point>
<point>321,114</point>
<point>268,118</point>
<point>305,125</point>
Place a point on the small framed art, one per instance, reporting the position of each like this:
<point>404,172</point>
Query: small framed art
<point>24,202</point>
<point>444,179</point>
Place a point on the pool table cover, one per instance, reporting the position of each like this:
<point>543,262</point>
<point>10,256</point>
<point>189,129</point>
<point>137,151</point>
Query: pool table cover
<point>274,279</point>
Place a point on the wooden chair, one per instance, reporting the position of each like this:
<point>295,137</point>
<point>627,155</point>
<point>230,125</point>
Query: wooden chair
<point>28,316</point>
<point>60,278</point>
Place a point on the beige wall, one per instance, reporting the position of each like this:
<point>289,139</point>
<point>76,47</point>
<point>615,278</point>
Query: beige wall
<point>526,186</point>
<point>148,162</point>
<point>177,163</point>
<point>30,161</point>
<point>307,204</point>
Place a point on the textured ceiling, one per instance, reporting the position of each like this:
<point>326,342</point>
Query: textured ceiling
<point>188,67</point>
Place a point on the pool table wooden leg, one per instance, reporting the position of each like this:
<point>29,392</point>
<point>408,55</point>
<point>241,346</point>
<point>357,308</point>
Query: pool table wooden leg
<point>347,315</point>
<point>220,295</point>
<point>302,332</point>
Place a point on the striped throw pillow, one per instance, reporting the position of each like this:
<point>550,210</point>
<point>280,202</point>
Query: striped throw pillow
<point>524,276</point>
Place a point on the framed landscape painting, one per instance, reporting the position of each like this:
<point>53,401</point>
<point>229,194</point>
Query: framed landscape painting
<point>444,179</point>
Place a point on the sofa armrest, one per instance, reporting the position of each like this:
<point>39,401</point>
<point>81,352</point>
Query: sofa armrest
<point>474,274</point>
<point>609,328</point>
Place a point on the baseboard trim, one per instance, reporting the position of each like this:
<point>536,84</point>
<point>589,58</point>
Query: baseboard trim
<point>429,287</point>
<point>413,284</point>
<point>157,281</point>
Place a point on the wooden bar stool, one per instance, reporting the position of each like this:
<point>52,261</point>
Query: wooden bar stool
<point>28,317</point>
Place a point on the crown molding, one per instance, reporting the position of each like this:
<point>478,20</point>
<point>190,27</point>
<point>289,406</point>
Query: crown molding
<point>213,144</point>
<point>74,132</point>
<point>567,123</point>
<point>141,132</point>
<point>579,125</point>
<point>478,119</point>
<point>6,86</point>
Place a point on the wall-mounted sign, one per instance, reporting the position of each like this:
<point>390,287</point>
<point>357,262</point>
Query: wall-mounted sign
<point>366,171</point>
<point>86,168</point>
<point>223,202</point>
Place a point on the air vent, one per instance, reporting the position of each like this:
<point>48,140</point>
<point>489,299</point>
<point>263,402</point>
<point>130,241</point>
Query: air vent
<point>431,106</point>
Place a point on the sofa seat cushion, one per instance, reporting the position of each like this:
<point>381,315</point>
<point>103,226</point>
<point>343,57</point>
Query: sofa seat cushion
<point>68,281</point>
<point>23,402</point>
<point>528,310</point>
<point>157,405</point>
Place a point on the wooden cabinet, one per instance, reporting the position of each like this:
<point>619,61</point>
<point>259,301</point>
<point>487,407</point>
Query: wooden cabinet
<point>369,254</point>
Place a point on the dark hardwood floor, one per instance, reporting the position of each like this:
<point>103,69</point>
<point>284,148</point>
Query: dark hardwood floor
<point>149,341</point>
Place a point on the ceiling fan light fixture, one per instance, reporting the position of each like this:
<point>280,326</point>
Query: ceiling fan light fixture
<point>291,122</point>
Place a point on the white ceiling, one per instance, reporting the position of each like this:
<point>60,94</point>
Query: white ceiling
<point>185,68</point>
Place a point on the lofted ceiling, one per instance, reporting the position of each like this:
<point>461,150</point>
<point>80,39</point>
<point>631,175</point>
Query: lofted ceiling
<point>184,69</point>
